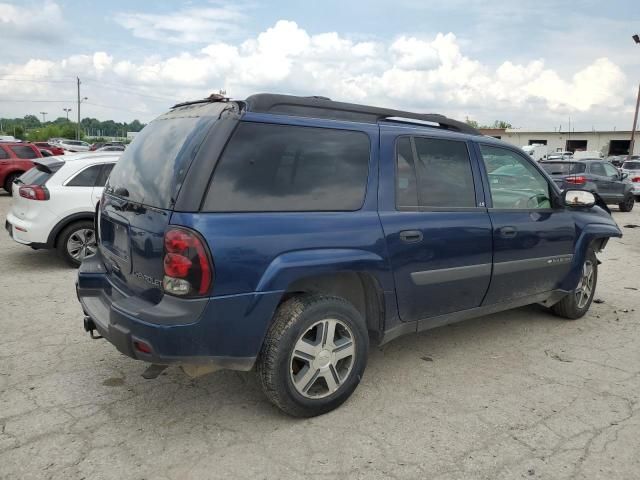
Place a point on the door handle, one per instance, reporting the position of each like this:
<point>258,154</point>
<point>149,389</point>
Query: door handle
<point>411,236</point>
<point>508,232</point>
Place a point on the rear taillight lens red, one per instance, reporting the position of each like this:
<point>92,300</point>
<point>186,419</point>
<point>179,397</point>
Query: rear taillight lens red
<point>188,270</point>
<point>34,192</point>
<point>579,180</point>
<point>635,179</point>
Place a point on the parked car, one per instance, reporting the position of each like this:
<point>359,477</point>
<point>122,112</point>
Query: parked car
<point>99,145</point>
<point>631,168</point>
<point>111,148</point>
<point>74,145</point>
<point>55,204</point>
<point>558,156</point>
<point>537,151</point>
<point>597,176</point>
<point>54,149</point>
<point>15,159</point>
<point>287,233</point>
<point>8,138</point>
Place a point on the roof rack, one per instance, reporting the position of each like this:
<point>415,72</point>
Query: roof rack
<point>322,107</point>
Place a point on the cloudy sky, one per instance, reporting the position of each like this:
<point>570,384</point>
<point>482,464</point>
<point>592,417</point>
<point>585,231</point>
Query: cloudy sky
<point>533,63</point>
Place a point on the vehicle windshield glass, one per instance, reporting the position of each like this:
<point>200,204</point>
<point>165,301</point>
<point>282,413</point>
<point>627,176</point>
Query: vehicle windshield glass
<point>563,168</point>
<point>152,168</point>
<point>631,165</point>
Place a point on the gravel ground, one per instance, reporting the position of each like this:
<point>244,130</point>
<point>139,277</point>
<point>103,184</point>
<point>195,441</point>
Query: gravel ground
<point>521,394</point>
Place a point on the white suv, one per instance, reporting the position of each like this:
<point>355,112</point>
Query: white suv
<point>54,203</point>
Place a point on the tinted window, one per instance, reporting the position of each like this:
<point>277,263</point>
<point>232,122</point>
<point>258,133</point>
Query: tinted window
<point>406,191</point>
<point>444,173</point>
<point>597,169</point>
<point>86,178</point>
<point>151,170</point>
<point>104,174</point>
<point>563,168</point>
<point>516,184</point>
<point>35,177</point>
<point>3,154</point>
<point>286,168</point>
<point>631,165</point>
<point>24,151</point>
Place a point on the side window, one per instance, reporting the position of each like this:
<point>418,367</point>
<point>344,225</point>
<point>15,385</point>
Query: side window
<point>611,170</point>
<point>266,168</point>
<point>444,173</point>
<point>24,151</point>
<point>514,182</point>
<point>3,154</point>
<point>104,174</point>
<point>598,169</point>
<point>406,191</point>
<point>86,178</point>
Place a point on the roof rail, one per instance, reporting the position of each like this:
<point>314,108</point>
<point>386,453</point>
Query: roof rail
<point>319,107</point>
<point>214,97</point>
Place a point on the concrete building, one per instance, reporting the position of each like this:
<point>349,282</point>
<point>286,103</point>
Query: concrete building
<point>606,142</point>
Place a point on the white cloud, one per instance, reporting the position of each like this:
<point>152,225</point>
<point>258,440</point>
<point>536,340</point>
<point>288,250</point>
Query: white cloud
<point>189,25</point>
<point>421,74</point>
<point>27,21</point>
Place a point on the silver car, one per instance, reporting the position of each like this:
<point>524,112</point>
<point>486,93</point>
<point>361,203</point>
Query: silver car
<point>632,169</point>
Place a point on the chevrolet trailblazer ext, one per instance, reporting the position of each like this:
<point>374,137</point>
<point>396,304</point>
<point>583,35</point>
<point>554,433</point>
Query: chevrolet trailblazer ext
<point>287,233</point>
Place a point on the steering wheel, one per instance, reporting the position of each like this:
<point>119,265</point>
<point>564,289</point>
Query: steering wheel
<point>532,202</point>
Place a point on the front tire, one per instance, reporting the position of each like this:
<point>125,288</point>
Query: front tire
<point>314,355</point>
<point>77,241</point>
<point>627,204</point>
<point>577,303</point>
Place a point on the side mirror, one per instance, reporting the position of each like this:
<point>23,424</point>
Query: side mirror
<point>623,176</point>
<point>578,198</point>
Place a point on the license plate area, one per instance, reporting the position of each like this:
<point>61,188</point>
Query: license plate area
<point>115,238</point>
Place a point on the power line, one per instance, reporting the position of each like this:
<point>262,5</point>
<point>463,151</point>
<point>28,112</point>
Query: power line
<point>7,100</point>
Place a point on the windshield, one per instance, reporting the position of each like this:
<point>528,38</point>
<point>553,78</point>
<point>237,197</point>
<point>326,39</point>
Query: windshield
<point>631,165</point>
<point>563,168</point>
<point>152,168</point>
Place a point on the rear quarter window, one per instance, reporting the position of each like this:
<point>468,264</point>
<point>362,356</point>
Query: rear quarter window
<point>3,154</point>
<point>267,168</point>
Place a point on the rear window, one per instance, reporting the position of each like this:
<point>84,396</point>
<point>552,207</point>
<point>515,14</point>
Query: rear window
<point>152,169</point>
<point>562,168</point>
<point>3,154</point>
<point>631,165</point>
<point>35,177</point>
<point>24,151</point>
<point>267,168</point>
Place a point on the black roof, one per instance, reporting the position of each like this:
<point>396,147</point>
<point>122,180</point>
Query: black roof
<point>322,107</point>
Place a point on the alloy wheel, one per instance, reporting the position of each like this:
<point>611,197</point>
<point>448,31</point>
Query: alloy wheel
<point>585,287</point>
<point>81,243</point>
<point>322,358</point>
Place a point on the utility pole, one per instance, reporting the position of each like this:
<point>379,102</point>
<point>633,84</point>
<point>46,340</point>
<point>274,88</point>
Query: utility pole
<point>78,126</point>
<point>43,115</point>
<point>636,39</point>
<point>635,122</point>
<point>67,110</point>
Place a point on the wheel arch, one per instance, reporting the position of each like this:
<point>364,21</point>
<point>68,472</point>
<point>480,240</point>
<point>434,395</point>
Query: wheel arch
<point>52,239</point>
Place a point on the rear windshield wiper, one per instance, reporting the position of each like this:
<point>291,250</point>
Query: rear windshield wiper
<point>121,192</point>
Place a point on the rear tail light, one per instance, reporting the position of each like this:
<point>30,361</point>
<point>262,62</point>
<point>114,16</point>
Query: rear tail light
<point>34,192</point>
<point>579,180</point>
<point>188,270</point>
<point>635,179</point>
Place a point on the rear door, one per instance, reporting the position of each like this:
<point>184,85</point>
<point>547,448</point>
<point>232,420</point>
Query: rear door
<point>602,181</point>
<point>533,241</point>
<point>436,227</point>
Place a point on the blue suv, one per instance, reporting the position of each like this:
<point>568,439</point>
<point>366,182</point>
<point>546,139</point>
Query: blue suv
<point>288,234</point>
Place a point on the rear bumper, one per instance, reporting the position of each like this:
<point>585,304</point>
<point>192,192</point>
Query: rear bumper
<point>26,232</point>
<point>225,332</point>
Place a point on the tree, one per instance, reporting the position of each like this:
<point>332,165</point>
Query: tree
<point>501,124</point>
<point>31,121</point>
<point>473,123</point>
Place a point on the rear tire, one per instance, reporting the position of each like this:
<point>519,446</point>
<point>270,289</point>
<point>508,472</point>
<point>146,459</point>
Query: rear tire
<point>314,354</point>
<point>577,303</point>
<point>77,241</point>
<point>8,182</point>
<point>627,204</point>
